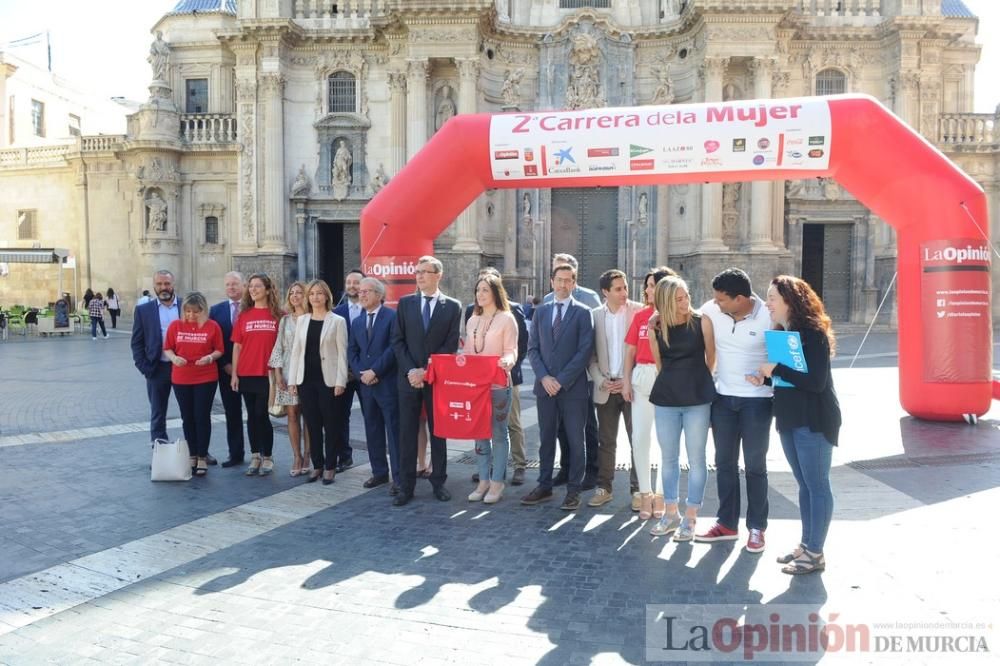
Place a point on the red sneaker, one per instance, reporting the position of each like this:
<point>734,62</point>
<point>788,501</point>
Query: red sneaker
<point>719,532</point>
<point>755,543</point>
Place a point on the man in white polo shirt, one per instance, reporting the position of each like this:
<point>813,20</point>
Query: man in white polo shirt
<point>742,412</point>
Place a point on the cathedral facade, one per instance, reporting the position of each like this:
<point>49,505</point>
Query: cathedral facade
<point>271,123</point>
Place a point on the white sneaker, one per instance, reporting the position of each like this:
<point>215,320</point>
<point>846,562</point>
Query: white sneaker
<point>106,336</point>
<point>94,338</point>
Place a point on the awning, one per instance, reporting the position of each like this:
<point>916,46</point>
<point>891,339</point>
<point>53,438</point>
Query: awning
<point>33,255</point>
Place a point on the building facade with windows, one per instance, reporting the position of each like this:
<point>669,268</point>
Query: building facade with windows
<point>271,123</point>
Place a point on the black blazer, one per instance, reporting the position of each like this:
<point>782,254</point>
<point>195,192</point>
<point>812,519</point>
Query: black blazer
<point>516,375</point>
<point>412,345</point>
<point>220,313</point>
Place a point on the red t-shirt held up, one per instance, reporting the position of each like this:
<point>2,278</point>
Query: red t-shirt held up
<point>638,336</point>
<point>256,332</point>
<point>192,342</point>
<point>462,383</point>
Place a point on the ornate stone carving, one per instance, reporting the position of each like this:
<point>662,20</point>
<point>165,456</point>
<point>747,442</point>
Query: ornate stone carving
<point>780,81</point>
<point>156,211</point>
<point>272,84</point>
<point>731,193</point>
<point>342,172</point>
<point>418,69</point>
<point>302,184</point>
<point>713,67</point>
<point>664,93</point>
<point>159,58</point>
<point>397,82</point>
<point>445,108</point>
<point>642,209</point>
<point>584,89</point>
<point>379,180</point>
<point>468,68</point>
<point>511,90</point>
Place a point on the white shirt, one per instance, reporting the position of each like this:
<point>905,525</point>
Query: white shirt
<point>434,301</point>
<point>614,332</point>
<point>353,311</point>
<point>739,349</point>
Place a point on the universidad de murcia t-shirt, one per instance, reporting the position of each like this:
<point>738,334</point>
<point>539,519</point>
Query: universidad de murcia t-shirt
<point>462,384</point>
<point>638,336</point>
<point>192,342</point>
<point>256,332</point>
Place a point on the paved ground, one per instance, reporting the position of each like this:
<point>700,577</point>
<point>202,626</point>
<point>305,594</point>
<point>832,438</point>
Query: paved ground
<point>97,564</point>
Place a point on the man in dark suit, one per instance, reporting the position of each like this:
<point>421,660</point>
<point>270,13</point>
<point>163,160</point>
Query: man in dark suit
<point>149,327</point>
<point>427,322</point>
<point>561,344</point>
<point>350,309</point>
<point>517,451</point>
<point>224,314</point>
<point>373,362</point>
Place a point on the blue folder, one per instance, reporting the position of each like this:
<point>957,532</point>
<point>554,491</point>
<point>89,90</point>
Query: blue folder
<point>785,347</point>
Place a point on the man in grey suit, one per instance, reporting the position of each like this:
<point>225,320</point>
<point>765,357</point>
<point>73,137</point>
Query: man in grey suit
<point>559,350</point>
<point>427,322</point>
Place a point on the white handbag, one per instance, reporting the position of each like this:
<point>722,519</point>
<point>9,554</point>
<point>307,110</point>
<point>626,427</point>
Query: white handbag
<point>171,461</point>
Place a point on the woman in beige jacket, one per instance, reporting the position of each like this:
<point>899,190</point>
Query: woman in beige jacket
<point>317,372</point>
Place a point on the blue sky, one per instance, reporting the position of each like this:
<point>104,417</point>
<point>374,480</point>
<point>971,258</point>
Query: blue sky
<point>108,55</point>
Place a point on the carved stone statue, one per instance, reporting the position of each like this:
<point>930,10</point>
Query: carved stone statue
<point>643,208</point>
<point>671,8</point>
<point>302,185</point>
<point>379,179</point>
<point>512,87</point>
<point>583,91</point>
<point>159,55</point>
<point>664,93</point>
<point>156,209</point>
<point>342,161</point>
<point>445,108</point>
<point>526,206</point>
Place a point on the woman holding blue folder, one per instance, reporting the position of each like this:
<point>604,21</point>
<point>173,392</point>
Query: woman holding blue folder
<point>806,413</point>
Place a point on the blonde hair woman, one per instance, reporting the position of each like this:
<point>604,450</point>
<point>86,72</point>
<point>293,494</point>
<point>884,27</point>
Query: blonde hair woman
<point>295,307</point>
<point>683,345</point>
<point>317,372</point>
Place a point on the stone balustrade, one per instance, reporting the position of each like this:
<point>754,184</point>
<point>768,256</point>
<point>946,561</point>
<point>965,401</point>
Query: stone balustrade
<point>35,156</point>
<point>208,128</point>
<point>844,8</point>
<point>101,143</point>
<point>968,129</point>
<point>340,14</point>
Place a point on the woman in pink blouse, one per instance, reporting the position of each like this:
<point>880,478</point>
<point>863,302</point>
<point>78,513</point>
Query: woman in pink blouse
<point>492,331</point>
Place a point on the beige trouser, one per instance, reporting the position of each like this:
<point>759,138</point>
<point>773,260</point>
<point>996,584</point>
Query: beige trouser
<point>643,376</point>
<point>515,430</point>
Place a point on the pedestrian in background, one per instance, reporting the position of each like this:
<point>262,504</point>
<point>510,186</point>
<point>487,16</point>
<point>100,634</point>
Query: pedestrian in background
<point>114,307</point>
<point>96,311</point>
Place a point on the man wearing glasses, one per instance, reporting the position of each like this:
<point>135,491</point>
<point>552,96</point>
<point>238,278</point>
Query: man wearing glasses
<point>427,322</point>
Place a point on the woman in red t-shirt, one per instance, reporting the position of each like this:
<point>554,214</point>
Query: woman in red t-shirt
<point>640,373</point>
<point>193,344</point>
<point>254,335</point>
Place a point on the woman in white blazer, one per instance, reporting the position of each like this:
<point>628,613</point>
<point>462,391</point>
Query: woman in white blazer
<point>317,373</point>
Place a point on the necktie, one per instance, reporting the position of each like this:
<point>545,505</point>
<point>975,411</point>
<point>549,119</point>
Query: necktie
<point>371,322</point>
<point>557,324</point>
<point>427,312</point>
<point>234,311</point>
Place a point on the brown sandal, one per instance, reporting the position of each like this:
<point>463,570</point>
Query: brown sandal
<point>646,506</point>
<point>805,563</point>
<point>789,557</point>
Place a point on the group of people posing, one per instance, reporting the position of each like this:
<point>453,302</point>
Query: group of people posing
<point>596,361</point>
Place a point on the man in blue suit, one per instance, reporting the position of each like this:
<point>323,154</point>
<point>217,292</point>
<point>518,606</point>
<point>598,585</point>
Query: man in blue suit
<point>350,309</point>
<point>149,328</point>
<point>373,362</point>
<point>559,350</point>
<point>224,314</point>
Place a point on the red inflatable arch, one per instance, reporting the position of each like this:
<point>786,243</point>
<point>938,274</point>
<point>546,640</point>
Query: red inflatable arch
<point>945,333</point>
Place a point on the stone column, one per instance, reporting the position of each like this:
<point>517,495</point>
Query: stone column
<point>712,69</point>
<point>760,190</point>
<point>416,105</point>
<point>397,121</point>
<point>246,96</point>
<point>273,162</point>
<point>300,227</point>
<point>467,229</point>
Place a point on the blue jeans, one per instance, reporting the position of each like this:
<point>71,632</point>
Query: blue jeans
<point>492,453</point>
<point>693,421</point>
<point>809,455</point>
<point>747,419</point>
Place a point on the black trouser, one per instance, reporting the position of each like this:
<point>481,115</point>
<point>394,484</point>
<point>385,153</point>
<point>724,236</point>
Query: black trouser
<point>591,466</point>
<point>158,391</point>
<point>320,411</point>
<point>255,392</point>
<point>344,403</point>
<point>195,401</point>
<point>114,317</point>
<point>410,400</point>
<point>234,415</point>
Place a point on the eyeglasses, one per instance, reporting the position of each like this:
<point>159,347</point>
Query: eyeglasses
<point>422,271</point>
<point>365,291</point>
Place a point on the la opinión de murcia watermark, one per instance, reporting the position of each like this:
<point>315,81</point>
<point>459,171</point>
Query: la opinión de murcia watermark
<point>793,632</point>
